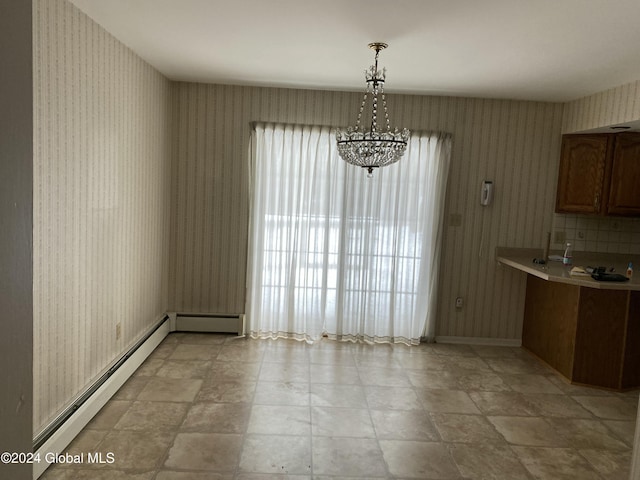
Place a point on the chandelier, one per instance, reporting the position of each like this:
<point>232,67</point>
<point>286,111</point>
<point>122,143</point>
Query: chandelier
<point>373,148</point>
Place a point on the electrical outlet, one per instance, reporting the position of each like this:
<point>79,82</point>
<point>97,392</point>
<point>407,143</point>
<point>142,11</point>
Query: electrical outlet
<point>118,330</point>
<point>459,302</point>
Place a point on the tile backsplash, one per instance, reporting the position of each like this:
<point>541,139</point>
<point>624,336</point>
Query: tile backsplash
<point>597,234</point>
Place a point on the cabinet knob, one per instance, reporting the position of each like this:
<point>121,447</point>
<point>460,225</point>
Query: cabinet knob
<point>596,203</point>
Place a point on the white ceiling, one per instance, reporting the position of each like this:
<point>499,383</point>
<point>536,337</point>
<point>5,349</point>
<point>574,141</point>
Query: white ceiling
<point>551,50</point>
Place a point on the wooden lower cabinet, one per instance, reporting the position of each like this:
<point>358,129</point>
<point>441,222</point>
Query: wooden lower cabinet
<point>589,335</point>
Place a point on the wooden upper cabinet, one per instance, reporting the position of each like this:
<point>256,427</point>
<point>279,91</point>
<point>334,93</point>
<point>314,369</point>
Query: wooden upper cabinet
<point>582,174</point>
<point>599,174</point>
<point>624,197</point>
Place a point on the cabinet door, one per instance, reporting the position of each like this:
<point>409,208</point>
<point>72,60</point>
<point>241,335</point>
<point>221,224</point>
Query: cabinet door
<point>624,196</point>
<point>582,174</point>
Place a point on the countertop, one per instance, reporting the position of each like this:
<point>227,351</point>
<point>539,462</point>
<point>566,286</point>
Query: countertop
<point>522,259</point>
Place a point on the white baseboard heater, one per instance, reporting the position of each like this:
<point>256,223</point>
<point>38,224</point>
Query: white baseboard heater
<point>59,434</point>
<point>209,323</point>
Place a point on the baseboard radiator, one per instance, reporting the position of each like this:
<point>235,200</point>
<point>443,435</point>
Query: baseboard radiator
<point>209,323</point>
<point>59,434</point>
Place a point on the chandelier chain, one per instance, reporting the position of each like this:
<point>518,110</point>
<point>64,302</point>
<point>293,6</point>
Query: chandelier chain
<point>374,148</point>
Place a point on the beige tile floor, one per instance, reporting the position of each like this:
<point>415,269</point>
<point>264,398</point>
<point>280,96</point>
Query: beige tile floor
<point>221,407</point>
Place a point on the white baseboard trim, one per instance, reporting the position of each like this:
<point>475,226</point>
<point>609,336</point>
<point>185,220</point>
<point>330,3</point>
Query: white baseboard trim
<point>72,426</point>
<point>497,342</point>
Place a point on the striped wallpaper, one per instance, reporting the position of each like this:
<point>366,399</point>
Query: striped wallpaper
<point>610,107</point>
<point>601,234</point>
<point>101,183</point>
<point>513,143</point>
<point>141,190</point>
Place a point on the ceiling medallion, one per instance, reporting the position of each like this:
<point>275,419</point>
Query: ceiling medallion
<point>373,148</point>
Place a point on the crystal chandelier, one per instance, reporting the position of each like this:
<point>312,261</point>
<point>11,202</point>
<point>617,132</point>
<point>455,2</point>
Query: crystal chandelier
<point>374,148</point>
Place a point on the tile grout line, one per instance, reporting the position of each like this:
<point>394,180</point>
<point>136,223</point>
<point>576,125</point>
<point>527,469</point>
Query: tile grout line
<point>366,359</point>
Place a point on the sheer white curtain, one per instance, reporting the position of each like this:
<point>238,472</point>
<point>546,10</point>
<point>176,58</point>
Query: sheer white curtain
<point>334,252</point>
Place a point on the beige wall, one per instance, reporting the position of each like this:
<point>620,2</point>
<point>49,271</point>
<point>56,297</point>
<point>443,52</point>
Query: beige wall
<point>601,234</point>
<point>610,107</point>
<point>513,143</point>
<point>139,182</point>
<point>16,207</point>
<point>101,183</point>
